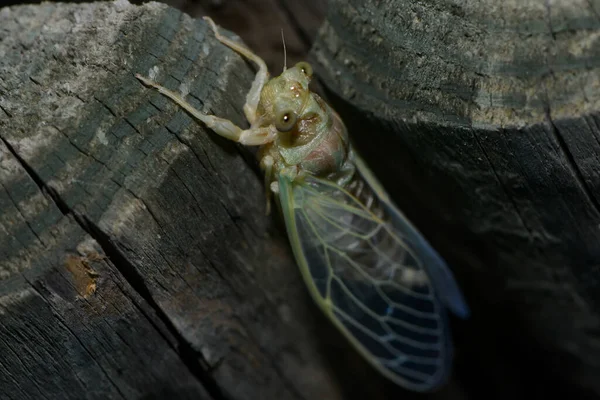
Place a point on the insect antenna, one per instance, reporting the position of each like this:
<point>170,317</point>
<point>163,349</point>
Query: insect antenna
<point>284,52</point>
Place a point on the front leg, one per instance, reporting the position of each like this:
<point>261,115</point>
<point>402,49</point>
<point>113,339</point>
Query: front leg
<point>262,75</point>
<point>267,165</point>
<point>223,127</point>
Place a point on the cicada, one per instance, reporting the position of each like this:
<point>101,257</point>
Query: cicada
<point>366,266</point>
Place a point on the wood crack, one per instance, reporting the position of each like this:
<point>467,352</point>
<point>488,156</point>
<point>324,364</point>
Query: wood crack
<point>184,350</point>
<point>502,186</point>
<point>571,162</point>
<point>16,205</point>
<point>81,343</point>
<point>191,358</point>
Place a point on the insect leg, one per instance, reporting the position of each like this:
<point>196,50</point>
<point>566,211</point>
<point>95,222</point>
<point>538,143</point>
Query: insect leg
<point>267,165</point>
<point>346,174</point>
<point>223,127</point>
<point>262,75</point>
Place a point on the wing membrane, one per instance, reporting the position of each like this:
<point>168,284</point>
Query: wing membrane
<point>368,273</point>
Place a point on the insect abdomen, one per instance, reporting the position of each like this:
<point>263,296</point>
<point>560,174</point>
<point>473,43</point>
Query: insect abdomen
<point>332,152</point>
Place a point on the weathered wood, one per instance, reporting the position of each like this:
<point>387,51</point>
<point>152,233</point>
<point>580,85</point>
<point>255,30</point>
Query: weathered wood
<point>483,120</point>
<point>70,325</point>
<point>136,258</point>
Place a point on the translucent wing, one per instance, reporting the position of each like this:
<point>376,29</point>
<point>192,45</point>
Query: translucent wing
<point>375,276</point>
<point>441,277</point>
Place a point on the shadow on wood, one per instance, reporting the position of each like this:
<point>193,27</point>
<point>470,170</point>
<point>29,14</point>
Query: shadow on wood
<point>482,120</point>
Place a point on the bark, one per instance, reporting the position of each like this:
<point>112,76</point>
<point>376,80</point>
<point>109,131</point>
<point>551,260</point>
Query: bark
<point>482,120</point>
<point>136,259</point>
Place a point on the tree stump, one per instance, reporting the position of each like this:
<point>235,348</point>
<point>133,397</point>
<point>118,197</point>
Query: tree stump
<point>136,258</point>
<point>482,120</point>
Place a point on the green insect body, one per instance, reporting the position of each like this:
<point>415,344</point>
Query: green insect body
<point>367,267</point>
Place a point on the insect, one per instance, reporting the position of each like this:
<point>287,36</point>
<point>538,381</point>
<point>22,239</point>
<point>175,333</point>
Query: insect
<point>367,267</point>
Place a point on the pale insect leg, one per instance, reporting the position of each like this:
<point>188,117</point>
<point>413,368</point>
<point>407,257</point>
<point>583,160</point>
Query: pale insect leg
<point>262,75</point>
<point>267,165</point>
<point>346,173</point>
<point>223,127</point>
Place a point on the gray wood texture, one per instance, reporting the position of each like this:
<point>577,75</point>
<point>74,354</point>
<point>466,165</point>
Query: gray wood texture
<point>482,119</point>
<point>197,291</point>
<point>136,259</point>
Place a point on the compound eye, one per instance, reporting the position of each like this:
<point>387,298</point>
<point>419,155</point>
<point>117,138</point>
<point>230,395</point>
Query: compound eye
<point>305,68</point>
<point>285,120</point>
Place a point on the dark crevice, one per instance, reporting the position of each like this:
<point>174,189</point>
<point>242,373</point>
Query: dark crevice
<point>212,166</point>
<point>81,99</point>
<point>295,24</point>
<point>128,122</point>
<point>42,186</point>
<point>187,145</point>
<point>571,162</point>
<point>16,205</point>
<point>191,358</point>
<point>155,106</point>
<point>35,81</point>
<point>8,113</point>
<point>110,110</point>
<point>502,186</point>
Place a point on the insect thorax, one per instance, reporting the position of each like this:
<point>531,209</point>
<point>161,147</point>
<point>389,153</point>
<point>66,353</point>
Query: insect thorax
<point>318,144</point>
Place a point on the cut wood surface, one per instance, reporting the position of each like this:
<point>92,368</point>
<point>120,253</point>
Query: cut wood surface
<point>136,259</point>
<point>482,118</point>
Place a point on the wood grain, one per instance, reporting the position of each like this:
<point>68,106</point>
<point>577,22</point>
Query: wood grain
<point>198,292</point>
<point>137,261</point>
<point>482,119</point>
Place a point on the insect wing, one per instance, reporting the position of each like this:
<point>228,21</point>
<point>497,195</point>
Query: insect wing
<point>441,277</point>
<point>369,281</point>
